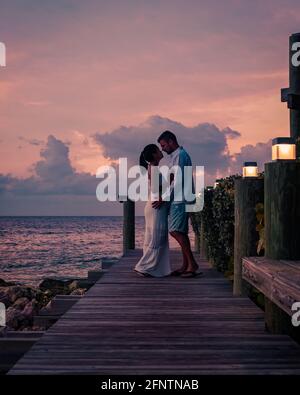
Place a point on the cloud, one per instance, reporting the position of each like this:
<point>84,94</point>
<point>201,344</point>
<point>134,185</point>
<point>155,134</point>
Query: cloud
<point>206,143</point>
<point>260,153</point>
<point>231,134</point>
<point>31,141</point>
<point>52,175</point>
<point>55,163</point>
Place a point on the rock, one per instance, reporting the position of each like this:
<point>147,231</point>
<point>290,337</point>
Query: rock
<point>17,319</point>
<point>4,283</point>
<point>14,318</point>
<point>78,291</point>
<point>85,283</point>
<point>24,302</point>
<point>4,297</point>
<point>43,298</point>
<point>30,309</point>
<point>46,309</point>
<point>20,303</point>
<point>74,285</point>
<point>38,328</point>
<point>18,291</point>
<point>55,286</point>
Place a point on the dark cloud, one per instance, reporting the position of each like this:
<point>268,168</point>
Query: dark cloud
<point>260,153</point>
<point>31,141</point>
<point>206,143</point>
<point>52,175</point>
<point>231,134</point>
<point>55,180</point>
<point>55,163</point>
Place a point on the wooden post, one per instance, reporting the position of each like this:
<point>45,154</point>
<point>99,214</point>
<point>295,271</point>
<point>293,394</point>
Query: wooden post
<point>291,95</point>
<point>128,226</point>
<point>282,225</point>
<point>248,192</point>
<point>282,210</point>
<point>282,190</point>
<point>276,320</point>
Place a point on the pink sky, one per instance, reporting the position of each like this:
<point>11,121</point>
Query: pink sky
<point>78,68</point>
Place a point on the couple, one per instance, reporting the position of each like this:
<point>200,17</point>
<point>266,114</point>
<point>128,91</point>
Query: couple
<point>162,217</point>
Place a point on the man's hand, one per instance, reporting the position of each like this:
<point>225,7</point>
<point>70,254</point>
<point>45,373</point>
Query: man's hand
<point>157,204</point>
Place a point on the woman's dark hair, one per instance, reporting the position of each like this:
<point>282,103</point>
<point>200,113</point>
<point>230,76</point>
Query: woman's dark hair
<point>147,155</point>
<point>167,135</point>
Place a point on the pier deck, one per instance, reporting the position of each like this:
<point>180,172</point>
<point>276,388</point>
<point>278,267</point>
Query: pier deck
<point>127,324</point>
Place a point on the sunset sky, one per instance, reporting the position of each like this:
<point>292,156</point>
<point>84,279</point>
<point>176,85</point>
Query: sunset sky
<point>89,81</point>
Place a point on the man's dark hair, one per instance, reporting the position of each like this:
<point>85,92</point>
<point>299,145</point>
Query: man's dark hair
<point>167,135</point>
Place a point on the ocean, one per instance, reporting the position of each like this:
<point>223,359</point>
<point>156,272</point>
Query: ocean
<point>33,248</point>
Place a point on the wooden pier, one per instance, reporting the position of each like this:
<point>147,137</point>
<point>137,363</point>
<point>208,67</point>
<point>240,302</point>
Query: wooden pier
<point>127,324</point>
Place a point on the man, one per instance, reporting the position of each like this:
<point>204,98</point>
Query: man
<point>178,217</point>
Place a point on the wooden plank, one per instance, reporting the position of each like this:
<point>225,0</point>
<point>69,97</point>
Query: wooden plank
<point>126,324</point>
<point>279,282</point>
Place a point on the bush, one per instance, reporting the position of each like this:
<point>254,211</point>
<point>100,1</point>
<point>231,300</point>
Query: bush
<point>218,223</point>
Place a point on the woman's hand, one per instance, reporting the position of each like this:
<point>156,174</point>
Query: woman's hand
<point>158,203</point>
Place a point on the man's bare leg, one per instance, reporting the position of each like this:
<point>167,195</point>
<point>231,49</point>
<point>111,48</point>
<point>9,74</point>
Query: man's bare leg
<point>189,262</point>
<point>184,266</point>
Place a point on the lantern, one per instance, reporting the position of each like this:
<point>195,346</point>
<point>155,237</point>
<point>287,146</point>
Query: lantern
<point>250,169</point>
<point>283,148</point>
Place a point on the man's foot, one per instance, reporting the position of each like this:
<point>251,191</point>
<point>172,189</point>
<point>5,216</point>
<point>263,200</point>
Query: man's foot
<point>178,272</point>
<point>193,267</point>
<point>190,274</point>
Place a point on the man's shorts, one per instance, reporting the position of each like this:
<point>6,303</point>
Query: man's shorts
<point>178,218</point>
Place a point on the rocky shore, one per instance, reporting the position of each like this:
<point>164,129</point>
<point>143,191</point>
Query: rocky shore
<point>23,302</point>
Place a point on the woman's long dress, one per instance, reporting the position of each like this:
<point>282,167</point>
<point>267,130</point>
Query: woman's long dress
<point>155,260</point>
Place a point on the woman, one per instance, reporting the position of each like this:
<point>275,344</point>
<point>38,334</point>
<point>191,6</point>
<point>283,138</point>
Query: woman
<point>155,261</point>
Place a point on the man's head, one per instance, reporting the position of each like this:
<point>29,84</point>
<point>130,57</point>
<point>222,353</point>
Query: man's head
<point>168,142</point>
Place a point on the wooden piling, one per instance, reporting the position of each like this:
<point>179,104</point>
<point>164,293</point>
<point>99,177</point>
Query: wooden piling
<point>291,95</point>
<point>282,210</point>
<point>128,225</point>
<point>294,101</point>
<point>248,192</point>
<point>282,224</point>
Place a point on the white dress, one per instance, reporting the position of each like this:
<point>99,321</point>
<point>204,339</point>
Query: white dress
<point>155,260</point>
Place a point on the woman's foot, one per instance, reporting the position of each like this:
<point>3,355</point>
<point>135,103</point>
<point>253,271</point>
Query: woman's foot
<point>142,274</point>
